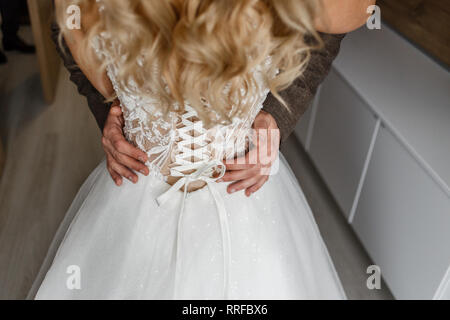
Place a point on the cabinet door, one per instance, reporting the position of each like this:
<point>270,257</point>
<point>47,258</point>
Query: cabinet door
<point>41,13</point>
<point>301,130</point>
<point>403,220</point>
<point>2,157</point>
<point>340,142</point>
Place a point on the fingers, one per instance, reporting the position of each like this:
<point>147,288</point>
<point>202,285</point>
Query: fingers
<point>242,184</point>
<point>115,176</point>
<point>249,161</point>
<point>236,175</point>
<point>252,171</point>
<point>115,111</point>
<point>123,158</point>
<point>250,180</point>
<point>115,116</point>
<point>264,153</point>
<point>250,185</point>
<point>239,166</point>
<point>249,191</point>
<point>264,120</point>
<point>122,146</point>
<point>123,171</point>
<point>114,140</point>
<point>130,163</point>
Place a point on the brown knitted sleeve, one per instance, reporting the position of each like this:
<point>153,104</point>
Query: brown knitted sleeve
<point>300,94</point>
<point>95,99</point>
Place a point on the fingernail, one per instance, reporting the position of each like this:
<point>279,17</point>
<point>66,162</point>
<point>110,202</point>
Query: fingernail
<point>141,159</point>
<point>232,190</point>
<point>220,180</point>
<point>131,179</point>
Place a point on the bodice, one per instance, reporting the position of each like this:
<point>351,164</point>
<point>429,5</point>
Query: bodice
<point>173,140</point>
<point>181,150</point>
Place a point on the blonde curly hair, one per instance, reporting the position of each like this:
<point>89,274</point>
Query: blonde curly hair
<point>202,46</point>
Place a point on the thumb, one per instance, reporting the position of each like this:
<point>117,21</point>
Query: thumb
<point>261,123</point>
<point>115,111</point>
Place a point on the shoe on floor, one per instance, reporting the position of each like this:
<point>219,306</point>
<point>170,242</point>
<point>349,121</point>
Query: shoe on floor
<point>18,44</point>
<point>3,58</point>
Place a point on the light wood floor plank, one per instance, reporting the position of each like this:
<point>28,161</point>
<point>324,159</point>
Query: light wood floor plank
<point>50,152</point>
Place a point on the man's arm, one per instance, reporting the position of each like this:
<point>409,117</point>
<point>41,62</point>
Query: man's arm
<point>298,96</point>
<point>251,177</point>
<point>123,159</point>
<point>96,101</point>
<point>301,93</point>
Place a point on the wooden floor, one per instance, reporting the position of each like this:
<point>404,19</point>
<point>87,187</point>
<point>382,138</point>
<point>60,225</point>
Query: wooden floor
<point>50,150</point>
<point>426,23</point>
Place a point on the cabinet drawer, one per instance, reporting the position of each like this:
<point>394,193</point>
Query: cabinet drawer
<point>403,220</point>
<point>301,130</point>
<point>343,130</point>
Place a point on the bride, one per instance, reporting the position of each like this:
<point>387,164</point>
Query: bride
<point>191,76</point>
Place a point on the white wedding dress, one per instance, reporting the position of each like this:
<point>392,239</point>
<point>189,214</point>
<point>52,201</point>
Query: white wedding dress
<point>151,240</point>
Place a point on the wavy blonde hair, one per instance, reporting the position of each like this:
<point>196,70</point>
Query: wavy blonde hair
<point>201,46</point>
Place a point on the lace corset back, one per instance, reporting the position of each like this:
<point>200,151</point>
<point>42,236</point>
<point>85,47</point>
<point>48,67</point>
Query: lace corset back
<point>178,144</point>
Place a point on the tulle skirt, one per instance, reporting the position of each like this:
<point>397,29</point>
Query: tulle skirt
<point>118,243</point>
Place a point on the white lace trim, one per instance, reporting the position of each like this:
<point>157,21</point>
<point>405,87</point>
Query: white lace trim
<point>159,136</point>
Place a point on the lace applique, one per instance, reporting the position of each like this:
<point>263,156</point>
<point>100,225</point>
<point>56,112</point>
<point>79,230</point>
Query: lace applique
<point>159,135</point>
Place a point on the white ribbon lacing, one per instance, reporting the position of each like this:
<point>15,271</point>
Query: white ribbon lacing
<point>192,133</point>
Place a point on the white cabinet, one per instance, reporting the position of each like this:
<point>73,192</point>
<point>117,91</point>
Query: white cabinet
<point>403,220</point>
<point>340,141</point>
<point>379,135</point>
<point>303,127</point>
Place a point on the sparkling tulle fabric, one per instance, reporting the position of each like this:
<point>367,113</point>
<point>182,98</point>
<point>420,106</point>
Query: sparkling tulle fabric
<point>124,244</point>
<point>205,244</point>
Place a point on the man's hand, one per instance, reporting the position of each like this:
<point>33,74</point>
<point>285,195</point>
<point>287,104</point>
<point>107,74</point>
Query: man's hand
<point>123,159</point>
<point>251,172</point>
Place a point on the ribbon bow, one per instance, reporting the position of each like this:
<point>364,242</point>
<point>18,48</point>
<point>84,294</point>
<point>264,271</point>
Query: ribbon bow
<point>202,171</point>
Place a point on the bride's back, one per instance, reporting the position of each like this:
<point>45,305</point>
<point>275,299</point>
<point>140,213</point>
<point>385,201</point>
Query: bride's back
<point>192,75</point>
<point>180,140</point>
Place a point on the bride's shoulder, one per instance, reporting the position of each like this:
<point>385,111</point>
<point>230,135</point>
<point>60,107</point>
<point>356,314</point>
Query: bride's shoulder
<point>342,16</point>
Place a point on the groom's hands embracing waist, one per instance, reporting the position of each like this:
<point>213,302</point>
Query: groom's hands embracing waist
<point>124,159</point>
